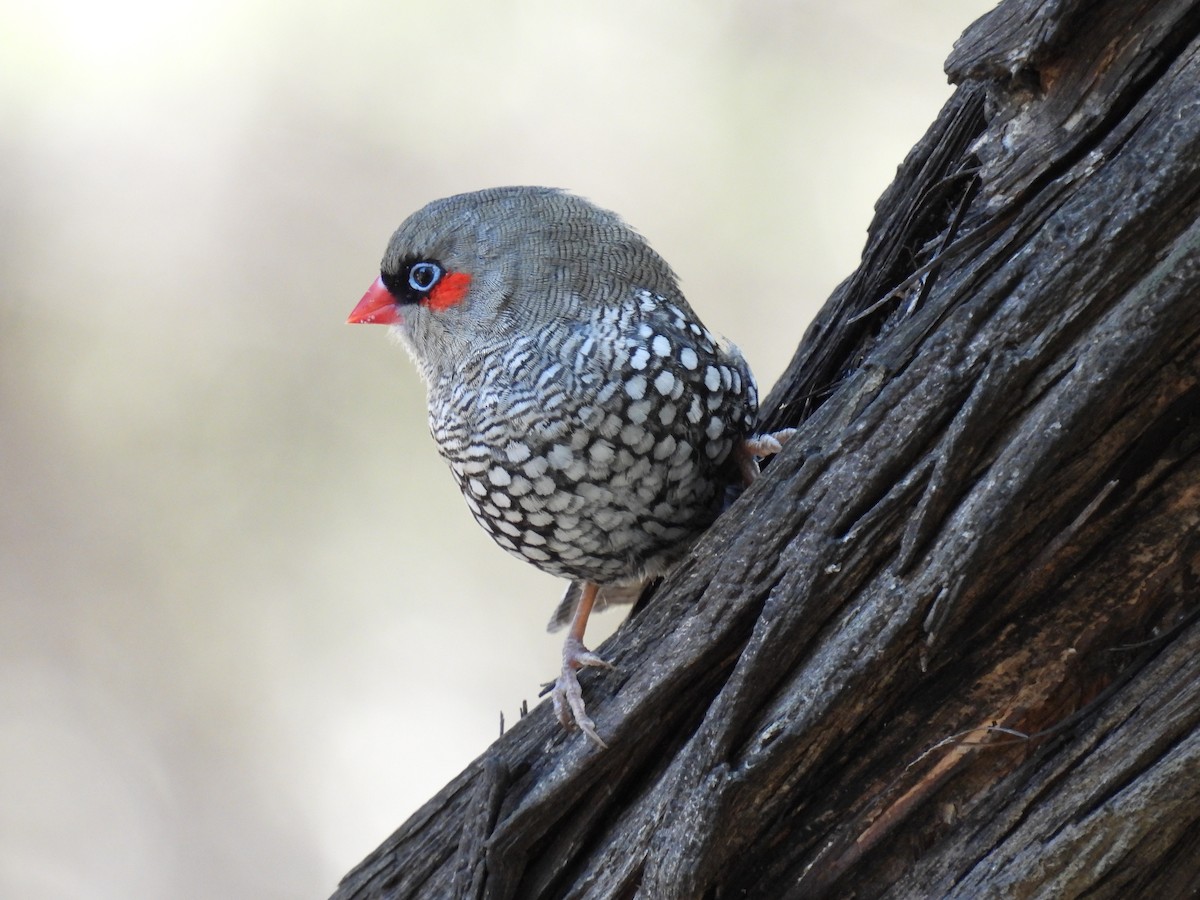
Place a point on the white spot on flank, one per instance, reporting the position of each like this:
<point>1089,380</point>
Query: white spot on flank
<point>660,345</point>
<point>664,383</point>
<point>638,412</point>
<point>631,434</point>
<point>640,357</point>
<point>560,456</point>
<point>499,477</point>
<point>517,452</point>
<point>643,446</point>
<point>666,415</point>
<point>475,466</point>
<point>635,387</point>
<point>681,472</point>
<point>688,357</point>
<point>641,468</point>
<point>558,502</point>
<point>601,452</point>
<point>594,493</point>
<point>536,467</point>
<point>712,378</point>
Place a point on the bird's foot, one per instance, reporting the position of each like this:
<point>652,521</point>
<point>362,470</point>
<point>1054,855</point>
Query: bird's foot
<point>768,444</point>
<point>567,694</point>
<point>757,446</point>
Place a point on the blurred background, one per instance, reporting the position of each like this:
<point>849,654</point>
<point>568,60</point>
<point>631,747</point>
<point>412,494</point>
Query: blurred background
<point>247,625</point>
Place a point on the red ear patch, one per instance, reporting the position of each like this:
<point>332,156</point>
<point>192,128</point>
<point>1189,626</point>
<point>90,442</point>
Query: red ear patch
<point>448,291</point>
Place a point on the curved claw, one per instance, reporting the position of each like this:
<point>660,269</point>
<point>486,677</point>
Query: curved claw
<point>576,656</point>
<point>567,695</point>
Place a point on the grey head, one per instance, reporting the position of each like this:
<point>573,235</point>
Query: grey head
<point>477,270</point>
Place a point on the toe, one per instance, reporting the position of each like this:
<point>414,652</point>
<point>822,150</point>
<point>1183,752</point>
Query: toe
<point>570,708</point>
<point>576,656</point>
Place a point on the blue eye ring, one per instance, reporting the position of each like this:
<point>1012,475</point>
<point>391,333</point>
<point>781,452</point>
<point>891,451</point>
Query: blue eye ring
<point>422,276</point>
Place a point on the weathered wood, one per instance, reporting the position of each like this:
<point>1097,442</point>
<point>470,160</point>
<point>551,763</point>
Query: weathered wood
<point>948,644</point>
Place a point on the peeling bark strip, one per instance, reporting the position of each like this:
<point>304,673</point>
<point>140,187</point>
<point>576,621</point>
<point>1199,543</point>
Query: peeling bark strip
<point>949,644</point>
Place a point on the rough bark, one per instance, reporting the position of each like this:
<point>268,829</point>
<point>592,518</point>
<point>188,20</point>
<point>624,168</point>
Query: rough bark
<point>948,645</point>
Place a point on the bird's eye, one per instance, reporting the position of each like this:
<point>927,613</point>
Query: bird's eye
<point>423,275</point>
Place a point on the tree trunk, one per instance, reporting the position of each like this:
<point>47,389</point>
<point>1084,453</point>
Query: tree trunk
<point>948,644</point>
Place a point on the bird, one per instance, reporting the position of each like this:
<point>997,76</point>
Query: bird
<point>591,420</point>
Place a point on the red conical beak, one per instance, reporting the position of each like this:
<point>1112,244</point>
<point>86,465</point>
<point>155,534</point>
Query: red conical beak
<point>377,307</point>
